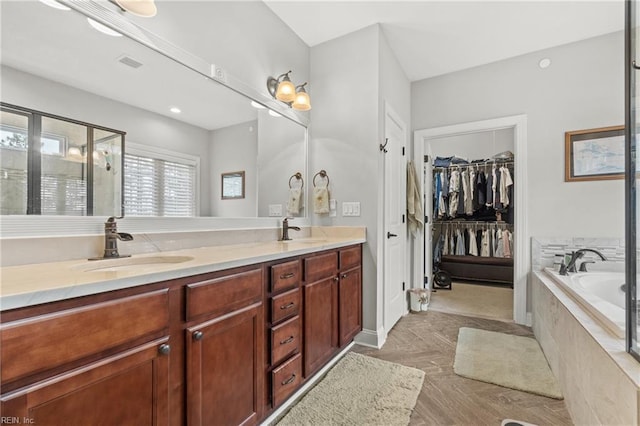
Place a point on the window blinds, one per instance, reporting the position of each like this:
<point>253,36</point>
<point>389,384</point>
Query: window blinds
<point>157,187</point>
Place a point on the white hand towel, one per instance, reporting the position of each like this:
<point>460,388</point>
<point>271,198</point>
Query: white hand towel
<point>321,200</point>
<point>293,206</point>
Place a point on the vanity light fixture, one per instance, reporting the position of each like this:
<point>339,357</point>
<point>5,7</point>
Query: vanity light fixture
<point>103,28</point>
<point>143,8</point>
<point>54,4</point>
<point>302,101</point>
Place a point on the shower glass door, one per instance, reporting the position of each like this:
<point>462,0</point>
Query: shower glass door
<point>632,98</point>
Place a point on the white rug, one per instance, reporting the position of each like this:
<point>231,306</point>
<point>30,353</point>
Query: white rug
<point>359,390</point>
<point>515,362</point>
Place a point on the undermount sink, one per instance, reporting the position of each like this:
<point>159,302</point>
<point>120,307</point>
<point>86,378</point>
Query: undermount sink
<point>130,263</point>
<point>305,241</point>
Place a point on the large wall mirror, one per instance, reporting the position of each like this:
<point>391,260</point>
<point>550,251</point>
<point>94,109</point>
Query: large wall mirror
<point>183,130</point>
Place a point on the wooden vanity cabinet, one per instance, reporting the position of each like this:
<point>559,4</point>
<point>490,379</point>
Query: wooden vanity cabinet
<point>221,348</point>
<point>99,363</point>
<point>224,349</point>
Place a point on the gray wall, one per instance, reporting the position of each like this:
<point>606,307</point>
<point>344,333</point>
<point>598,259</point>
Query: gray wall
<point>583,88</point>
<point>234,149</point>
<point>473,146</point>
<point>352,76</point>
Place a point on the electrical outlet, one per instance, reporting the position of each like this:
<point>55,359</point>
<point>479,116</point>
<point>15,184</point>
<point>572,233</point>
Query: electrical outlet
<point>275,210</point>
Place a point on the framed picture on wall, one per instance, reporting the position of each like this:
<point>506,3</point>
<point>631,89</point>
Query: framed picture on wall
<point>594,154</point>
<point>232,185</point>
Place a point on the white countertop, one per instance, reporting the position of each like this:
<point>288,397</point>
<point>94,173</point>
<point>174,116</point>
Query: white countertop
<point>34,284</point>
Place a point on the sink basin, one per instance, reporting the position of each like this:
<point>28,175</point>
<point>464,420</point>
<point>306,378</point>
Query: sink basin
<point>305,241</point>
<point>130,263</point>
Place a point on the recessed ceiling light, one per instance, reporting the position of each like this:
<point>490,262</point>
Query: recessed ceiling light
<point>274,114</point>
<point>54,4</point>
<point>544,63</point>
<point>175,110</point>
<point>103,28</point>
<point>257,105</point>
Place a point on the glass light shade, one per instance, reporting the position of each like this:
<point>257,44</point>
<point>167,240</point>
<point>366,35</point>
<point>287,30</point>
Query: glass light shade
<point>286,91</point>
<point>144,8</point>
<point>302,101</point>
<point>103,28</point>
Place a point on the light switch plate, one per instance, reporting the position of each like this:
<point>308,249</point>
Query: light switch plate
<point>275,210</point>
<point>351,208</point>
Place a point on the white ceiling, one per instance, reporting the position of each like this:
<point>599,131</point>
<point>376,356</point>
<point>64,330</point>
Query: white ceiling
<point>431,38</point>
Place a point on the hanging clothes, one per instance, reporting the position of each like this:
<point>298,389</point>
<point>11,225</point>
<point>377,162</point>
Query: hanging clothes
<point>414,201</point>
<point>485,250</point>
<point>454,183</point>
<point>499,245</point>
<point>460,243</point>
<point>468,192</point>
<point>445,243</point>
<point>473,242</point>
<point>437,194</point>
<point>505,183</point>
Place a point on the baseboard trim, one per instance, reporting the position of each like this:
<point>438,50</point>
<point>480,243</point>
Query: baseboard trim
<point>305,388</point>
<point>371,338</point>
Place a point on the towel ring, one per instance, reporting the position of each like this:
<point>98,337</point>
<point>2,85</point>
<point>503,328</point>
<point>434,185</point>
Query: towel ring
<point>298,176</point>
<point>323,174</point>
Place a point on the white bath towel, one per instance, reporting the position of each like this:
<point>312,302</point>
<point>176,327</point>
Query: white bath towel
<point>294,204</point>
<point>321,200</point>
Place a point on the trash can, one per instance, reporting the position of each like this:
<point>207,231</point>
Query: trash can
<point>419,299</point>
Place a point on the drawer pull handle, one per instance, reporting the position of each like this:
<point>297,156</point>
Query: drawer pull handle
<point>198,335</point>
<point>344,276</point>
<point>287,275</point>
<point>289,380</point>
<point>285,341</point>
<point>287,306</point>
<point>164,349</point>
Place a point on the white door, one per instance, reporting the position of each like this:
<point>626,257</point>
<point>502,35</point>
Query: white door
<point>395,228</point>
<point>428,224</point>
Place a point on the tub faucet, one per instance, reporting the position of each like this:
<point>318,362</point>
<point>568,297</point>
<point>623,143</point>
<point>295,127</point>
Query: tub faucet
<point>111,237</point>
<point>575,256</point>
<point>286,227</point>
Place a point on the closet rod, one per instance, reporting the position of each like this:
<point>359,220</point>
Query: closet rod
<point>479,163</point>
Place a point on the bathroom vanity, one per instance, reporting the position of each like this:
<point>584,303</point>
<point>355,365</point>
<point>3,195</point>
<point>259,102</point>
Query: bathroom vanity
<point>221,347</point>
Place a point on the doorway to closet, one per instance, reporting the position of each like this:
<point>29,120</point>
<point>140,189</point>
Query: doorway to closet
<point>483,248</point>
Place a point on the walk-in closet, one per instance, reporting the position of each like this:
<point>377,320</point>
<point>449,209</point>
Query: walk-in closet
<point>471,196</point>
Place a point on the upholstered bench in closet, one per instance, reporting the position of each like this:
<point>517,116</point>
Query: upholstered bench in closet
<point>479,268</point>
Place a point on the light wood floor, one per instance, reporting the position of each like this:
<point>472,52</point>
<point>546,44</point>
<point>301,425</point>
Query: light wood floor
<point>427,340</point>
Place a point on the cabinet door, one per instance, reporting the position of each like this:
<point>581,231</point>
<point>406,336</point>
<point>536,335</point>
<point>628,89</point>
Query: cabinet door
<point>131,388</point>
<point>350,302</point>
<point>320,323</point>
<point>225,369</point>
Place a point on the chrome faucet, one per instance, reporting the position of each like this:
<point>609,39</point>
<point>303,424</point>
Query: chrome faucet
<point>286,227</point>
<point>111,237</point>
<point>575,256</point>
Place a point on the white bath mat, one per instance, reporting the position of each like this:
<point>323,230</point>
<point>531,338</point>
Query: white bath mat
<point>514,362</point>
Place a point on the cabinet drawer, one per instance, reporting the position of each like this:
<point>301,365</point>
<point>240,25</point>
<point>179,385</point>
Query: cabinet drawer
<point>224,294</point>
<point>322,266</point>
<point>285,340</point>
<point>286,379</point>
<point>285,305</point>
<point>285,275</point>
<point>350,257</point>
<point>44,342</point>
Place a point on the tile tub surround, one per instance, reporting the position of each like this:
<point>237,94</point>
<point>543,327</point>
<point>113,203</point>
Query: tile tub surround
<point>599,379</point>
<point>544,250</point>
<point>25,285</point>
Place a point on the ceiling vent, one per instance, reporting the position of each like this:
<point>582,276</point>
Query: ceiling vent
<point>129,61</point>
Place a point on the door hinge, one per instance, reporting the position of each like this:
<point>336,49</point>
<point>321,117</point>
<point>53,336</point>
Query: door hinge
<point>403,150</point>
<point>402,218</point>
<point>403,286</point>
<point>426,158</point>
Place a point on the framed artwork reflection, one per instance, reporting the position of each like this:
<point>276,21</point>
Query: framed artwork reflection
<point>594,154</point>
<point>232,185</point>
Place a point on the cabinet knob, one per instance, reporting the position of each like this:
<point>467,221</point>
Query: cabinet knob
<point>164,349</point>
<point>198,335</point>
<point>343,276</point>
<point>336,278</point>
